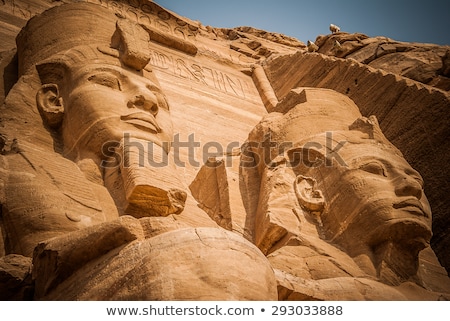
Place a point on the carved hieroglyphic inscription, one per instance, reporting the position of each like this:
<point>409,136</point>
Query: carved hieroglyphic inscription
<point>199,74</point>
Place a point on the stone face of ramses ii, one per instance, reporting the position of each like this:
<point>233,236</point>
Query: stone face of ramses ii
<point>103,101</point>
<point>375,204</point>
<point>338,181</point>
<point>95,95</point>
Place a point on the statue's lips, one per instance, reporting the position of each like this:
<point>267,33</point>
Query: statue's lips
<point>142,119</point>
<point>412,205</point>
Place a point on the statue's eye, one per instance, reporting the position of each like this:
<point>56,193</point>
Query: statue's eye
<point>374,168</point>
<point>106,79</point>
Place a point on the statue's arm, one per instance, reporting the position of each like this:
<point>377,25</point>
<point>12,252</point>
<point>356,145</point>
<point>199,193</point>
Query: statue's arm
<point>56,259</point>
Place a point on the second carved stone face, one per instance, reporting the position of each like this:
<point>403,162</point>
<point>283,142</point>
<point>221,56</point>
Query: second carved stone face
<point>104,101</point>
<point>378,197</point>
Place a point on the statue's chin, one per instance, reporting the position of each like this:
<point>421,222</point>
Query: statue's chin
<point>412,233</point>
<point>391,251</point>
<point>393,246</point>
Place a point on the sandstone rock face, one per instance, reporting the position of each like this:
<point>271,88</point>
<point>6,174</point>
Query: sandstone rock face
<point>145,156</point>
<point>425,63</point>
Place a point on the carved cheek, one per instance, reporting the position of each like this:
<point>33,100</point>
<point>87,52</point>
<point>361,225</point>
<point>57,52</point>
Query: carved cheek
<point>357,191</point>
<point>97,100</point>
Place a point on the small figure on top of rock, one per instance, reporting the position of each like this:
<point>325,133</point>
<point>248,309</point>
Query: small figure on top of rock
<point>334,28</point>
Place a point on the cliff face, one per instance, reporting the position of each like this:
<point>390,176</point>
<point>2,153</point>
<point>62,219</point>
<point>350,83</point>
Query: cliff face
<point>425,63</point>
<point>220,84</point>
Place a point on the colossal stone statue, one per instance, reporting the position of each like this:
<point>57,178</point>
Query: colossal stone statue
<point>316,205</point>
<point>341,214</point>
<point>73,184</point>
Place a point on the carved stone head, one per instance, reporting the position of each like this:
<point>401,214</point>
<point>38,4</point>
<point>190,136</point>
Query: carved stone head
<point>372,194</point>
<point>99,95</point>
<point>362,193</point>
<point>96,84</point>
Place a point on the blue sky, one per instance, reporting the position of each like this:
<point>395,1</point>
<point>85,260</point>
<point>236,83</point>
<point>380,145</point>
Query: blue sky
<point>414,21</point>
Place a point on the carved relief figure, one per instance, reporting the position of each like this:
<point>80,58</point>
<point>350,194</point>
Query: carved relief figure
<point>341,214</point>
<point>81,195</point>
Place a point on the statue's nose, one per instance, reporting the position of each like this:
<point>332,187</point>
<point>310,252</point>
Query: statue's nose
<point>408,186</point>
<point>147,102</point>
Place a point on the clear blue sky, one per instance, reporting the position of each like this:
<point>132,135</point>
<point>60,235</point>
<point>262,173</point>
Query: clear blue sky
<point>414,21</point>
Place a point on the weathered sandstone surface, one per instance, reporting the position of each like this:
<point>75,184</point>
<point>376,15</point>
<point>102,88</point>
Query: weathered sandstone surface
<point>145,156</point>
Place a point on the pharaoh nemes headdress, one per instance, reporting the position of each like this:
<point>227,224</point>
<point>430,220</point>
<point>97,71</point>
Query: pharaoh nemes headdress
<point>96,31</point>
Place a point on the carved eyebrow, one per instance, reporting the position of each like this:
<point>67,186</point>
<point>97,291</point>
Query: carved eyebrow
<point>105,70</point>
<point>111,70</point>
<point>360,161</point>
<point>373,166</point>
<point>121,75</point>
<point>106,78</point>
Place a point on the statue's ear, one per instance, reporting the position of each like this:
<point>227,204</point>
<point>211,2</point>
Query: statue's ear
<point>310,198</point>
<point>50,105</point>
